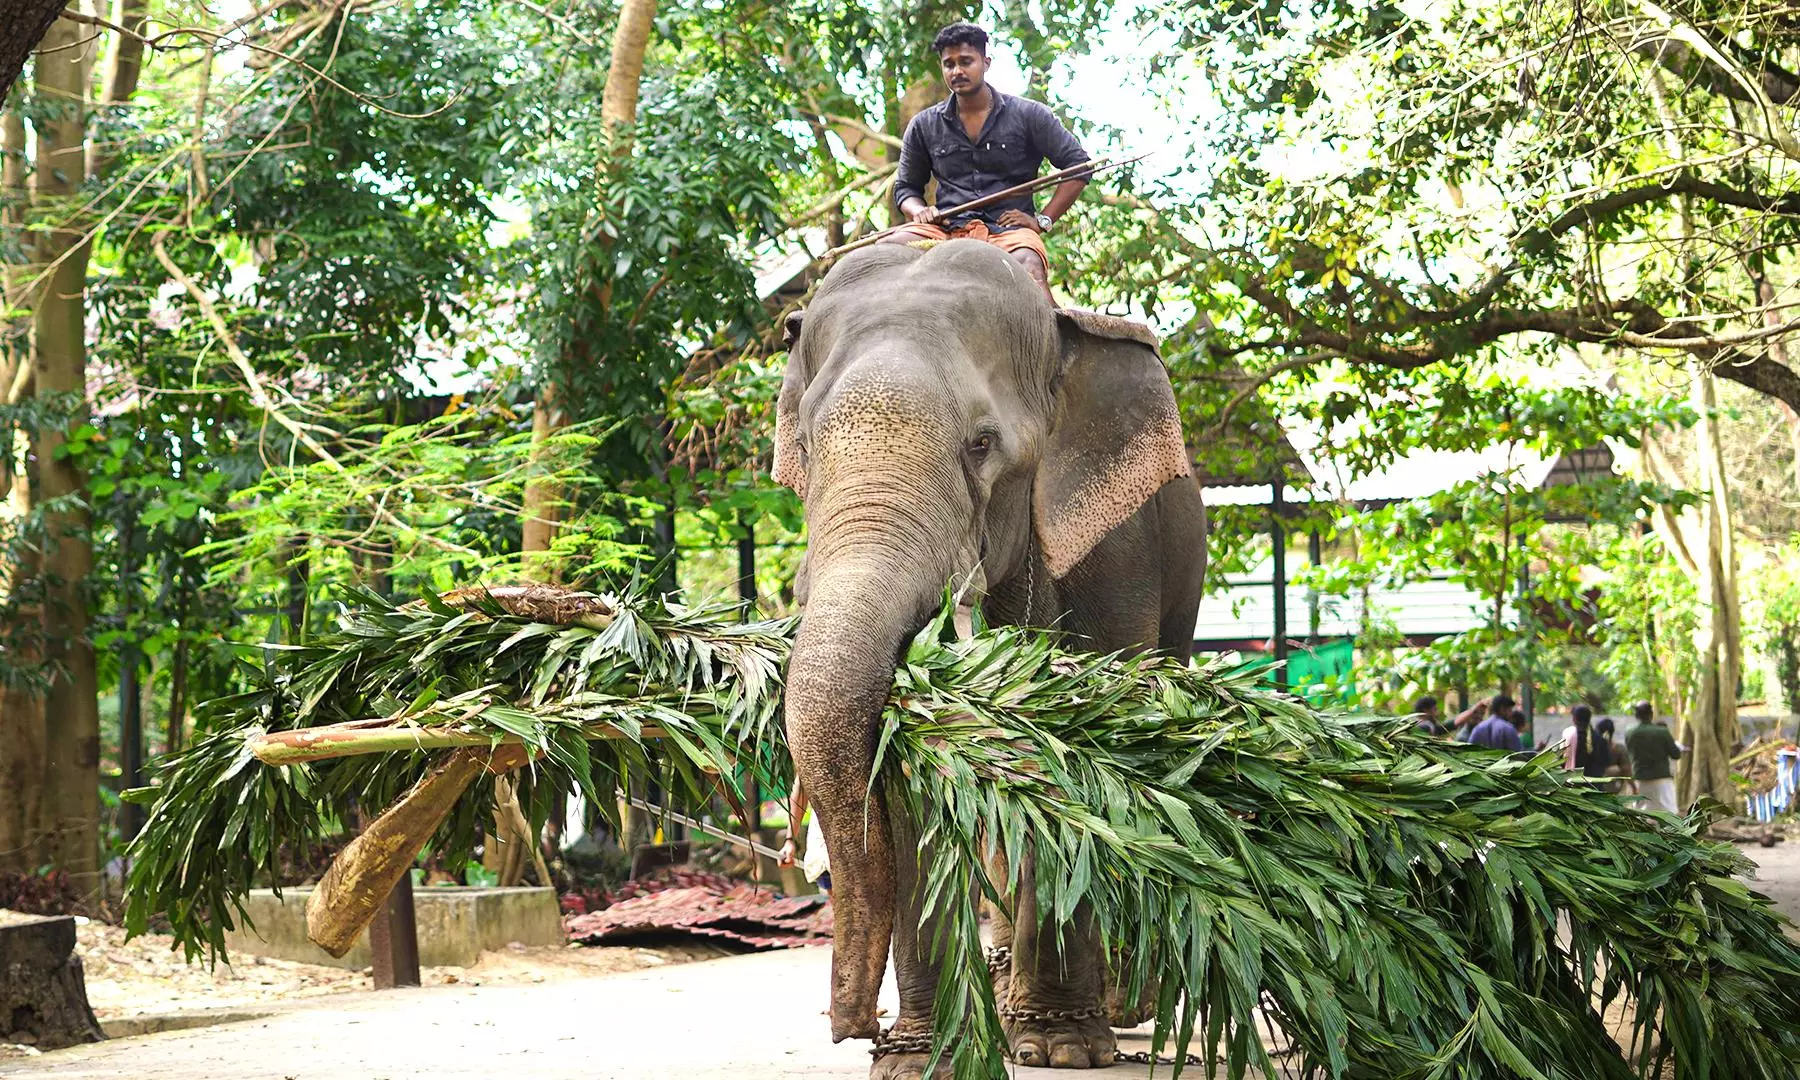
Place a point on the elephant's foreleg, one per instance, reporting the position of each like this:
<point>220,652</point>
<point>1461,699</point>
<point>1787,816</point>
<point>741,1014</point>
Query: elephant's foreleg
<point>917,964</point>
<point>1055,1009</point>
<point>1000,947</point>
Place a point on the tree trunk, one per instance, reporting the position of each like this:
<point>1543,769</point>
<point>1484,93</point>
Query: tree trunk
<point>43,997</point>
<point>25,25</point>
<point>127,58</point>
<point>21,708</point>
<point>618,110</point>
<point>625,72</point>
<point>541,507</point>
<point>72,719</point>
<point>1710,729</point>
<point>21,752</point>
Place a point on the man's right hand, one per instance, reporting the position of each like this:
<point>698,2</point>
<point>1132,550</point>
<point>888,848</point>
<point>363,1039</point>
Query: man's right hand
<point>920,214</point>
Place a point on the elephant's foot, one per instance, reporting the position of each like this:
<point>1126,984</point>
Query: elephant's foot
<point>1059,1038</point>
<point>1122,1012</point>
<point>908,1067</point>
<point>903,1051</point>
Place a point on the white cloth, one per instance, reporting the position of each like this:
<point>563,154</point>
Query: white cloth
<point>817,861</point>
<point>1659,795</point>
<point>1564,743</point>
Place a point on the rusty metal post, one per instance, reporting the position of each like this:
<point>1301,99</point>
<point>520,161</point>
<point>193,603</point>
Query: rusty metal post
<point>394,939</point>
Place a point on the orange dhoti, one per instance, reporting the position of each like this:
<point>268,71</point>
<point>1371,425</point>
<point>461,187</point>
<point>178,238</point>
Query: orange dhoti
<point>1009,241</point>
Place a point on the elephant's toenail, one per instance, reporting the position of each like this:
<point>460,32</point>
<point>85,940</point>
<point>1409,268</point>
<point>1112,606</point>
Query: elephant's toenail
<point>1029,1054</point>
<point>1068,1056</point>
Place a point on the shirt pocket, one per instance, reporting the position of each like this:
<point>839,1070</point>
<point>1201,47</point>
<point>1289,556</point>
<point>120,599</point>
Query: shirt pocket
<point>1006,153</point>
<point>952,160</point>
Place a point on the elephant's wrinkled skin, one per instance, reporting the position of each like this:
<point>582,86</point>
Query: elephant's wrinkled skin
<point>943,424</point>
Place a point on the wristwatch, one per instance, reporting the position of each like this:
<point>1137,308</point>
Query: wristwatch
<point>1044,222</point>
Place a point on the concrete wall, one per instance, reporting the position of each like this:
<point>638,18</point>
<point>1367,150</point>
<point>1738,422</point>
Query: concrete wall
<point>456,923</point>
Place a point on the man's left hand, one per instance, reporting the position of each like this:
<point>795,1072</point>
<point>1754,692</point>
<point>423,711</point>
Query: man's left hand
<point>1019,219</point>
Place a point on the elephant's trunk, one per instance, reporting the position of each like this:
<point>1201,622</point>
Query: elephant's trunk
<point>838,680</point>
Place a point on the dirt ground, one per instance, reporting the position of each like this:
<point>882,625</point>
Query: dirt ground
<point>131,983</point>
<point>143,986</point>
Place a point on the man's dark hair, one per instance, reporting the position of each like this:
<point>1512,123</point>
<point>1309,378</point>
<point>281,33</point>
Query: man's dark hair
<point>1644,712</point>
<point>962,33</point>
<point>1425,704</point>
<point>1583,715</point>
<point>1501,705</point>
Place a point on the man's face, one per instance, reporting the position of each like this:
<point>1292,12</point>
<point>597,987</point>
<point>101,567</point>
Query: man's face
<point>965,69</point>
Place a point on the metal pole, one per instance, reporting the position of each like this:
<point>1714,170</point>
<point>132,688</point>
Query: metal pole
<point>746,553</point>
<point>131,714</point>
<point>394,938</point>
<point>1315,554</point>
<point>1527,692</point>
<point>1278,537</point>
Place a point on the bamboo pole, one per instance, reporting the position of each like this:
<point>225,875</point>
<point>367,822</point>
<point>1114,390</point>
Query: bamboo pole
<point>1083,171</point>
<point>350,740</point>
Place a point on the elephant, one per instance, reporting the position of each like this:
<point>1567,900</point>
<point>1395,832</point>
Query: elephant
<point>943,424</point>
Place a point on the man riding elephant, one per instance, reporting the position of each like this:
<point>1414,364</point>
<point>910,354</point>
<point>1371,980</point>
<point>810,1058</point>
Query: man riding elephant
<point>977,143</point>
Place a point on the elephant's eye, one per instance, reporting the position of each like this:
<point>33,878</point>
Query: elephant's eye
<point>981,445</point>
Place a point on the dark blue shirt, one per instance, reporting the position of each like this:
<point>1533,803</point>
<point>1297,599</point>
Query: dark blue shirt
<point>1496,733</point>
<point>1016,139</point>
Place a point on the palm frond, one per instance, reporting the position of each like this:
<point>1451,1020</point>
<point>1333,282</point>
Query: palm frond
<point>709,683</point>
<point>1395,906</point>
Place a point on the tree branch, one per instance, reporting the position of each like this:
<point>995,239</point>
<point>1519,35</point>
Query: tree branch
<point>259,396</point>
<point>1681,31</point>
<point>1633,323</point>
<point>1681,60</point>
<point>26,23</point>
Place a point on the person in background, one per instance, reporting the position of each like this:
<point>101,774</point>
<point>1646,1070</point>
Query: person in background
<point>1585,749</point>
<point>1498,732</point>
<point>1464,722</point>
<point>1652,748</point>
<point>1426,709</point>
<point>1521,724</point>
<point>814,862</point>
<point>1616,765</point>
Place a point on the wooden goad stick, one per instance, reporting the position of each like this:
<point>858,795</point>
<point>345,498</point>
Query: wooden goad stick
<point>1073,172</point>
<point>359,879</point>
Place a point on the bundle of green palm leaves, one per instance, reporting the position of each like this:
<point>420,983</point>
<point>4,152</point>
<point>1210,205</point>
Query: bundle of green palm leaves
<point>706,684</point>
<point>1394,906</point>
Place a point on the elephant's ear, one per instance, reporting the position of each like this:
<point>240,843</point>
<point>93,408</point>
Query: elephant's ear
<point>1115,438</point>
<point>788,468</point>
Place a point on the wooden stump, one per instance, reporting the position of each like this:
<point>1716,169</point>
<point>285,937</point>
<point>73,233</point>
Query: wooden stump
<point>43,997</point>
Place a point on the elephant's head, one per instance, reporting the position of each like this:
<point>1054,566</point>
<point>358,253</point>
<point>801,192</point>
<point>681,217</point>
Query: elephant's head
<point>939,420</point>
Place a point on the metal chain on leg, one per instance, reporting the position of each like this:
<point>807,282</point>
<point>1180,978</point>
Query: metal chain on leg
<point>889,1043</point>
<point>1145,1057</point>
<point>999,961</point>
